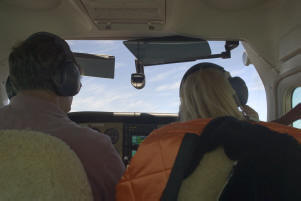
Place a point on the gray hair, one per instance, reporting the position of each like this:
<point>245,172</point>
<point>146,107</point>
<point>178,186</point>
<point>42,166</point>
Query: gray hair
<point>33,62</point>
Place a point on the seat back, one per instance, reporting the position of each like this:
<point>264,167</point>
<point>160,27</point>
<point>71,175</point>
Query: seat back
<point>267,163</point>
<point>36,166</point>
<point>208,178</point>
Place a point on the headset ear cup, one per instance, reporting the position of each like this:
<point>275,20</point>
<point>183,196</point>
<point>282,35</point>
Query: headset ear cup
<point>11,90</point>
<point>67,80</point>
<point>240,89</point>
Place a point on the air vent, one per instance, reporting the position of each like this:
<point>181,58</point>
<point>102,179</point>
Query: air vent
<point>107,13</point>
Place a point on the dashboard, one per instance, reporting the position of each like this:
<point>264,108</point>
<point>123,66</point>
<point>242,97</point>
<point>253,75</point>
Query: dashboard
<point>126,130</point>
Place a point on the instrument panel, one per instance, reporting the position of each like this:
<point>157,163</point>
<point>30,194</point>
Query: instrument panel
<point>126,130</point>
<point>113,130</point>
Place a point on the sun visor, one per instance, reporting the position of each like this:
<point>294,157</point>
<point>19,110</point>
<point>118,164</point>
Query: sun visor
<point>171,49</point>
<point>96,65</point>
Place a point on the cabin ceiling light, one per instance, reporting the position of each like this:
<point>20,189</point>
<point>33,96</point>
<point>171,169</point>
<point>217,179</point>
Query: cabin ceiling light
<point>105,14</point>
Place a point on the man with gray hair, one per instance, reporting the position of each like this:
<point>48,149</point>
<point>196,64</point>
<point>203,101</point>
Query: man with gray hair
<point>45,75</point>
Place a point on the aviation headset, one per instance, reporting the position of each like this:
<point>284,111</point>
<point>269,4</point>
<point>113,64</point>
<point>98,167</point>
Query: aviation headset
<point>237,83</point>
<point>66,76</point>
<point>10,89</point>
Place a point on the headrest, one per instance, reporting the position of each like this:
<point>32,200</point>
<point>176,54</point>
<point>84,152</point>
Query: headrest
<point>37,166</point>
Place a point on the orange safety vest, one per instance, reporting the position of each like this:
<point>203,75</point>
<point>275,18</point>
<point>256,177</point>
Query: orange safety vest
<point>147,175</point>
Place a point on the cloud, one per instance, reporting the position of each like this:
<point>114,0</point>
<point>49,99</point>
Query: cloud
<point>70,42</point>
<point>101,97</point>
<point>120,102</point>
<point>158,76</point>
<point>119,64</point>
<point>140,106</point>
<point>168,87</point>
<point>97,95</point>
<point>106,42</point>
<point>256,88</point>
<point>256,85</point>
<point>239,72</point>
<point>97,103</point>
<point>93,89</point>
<point>105,46</point>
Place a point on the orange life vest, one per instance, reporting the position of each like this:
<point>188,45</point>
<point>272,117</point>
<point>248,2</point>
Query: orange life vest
<point>148,172</point>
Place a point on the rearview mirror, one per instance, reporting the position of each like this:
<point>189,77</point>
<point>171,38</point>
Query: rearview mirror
<point>138,78</point>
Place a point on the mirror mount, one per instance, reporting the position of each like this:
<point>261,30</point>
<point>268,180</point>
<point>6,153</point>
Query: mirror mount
<point>229,46</point>
<point>139,66</point>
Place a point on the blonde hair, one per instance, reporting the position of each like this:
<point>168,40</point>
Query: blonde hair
<point>207,93</point>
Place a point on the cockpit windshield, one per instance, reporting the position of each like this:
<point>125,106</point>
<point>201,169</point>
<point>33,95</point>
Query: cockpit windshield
<point>161,91</point>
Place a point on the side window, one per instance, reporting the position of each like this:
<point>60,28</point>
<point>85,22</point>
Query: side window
<point>296,99</point>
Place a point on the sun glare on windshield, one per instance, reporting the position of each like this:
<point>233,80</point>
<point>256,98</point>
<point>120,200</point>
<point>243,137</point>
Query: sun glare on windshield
<point>161,91</point>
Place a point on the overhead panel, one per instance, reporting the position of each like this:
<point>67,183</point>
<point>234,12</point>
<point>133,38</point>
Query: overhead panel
<point>115,14</point>
<point>235,5</point>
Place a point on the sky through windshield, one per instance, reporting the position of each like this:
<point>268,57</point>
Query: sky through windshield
<point>161,92</point>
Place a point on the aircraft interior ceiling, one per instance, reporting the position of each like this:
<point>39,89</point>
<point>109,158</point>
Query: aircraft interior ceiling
<point>270,29</point>
<point>262,23</point>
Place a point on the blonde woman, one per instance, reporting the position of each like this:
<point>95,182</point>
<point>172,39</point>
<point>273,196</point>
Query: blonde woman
<point>193,159</point>
<point>208,91</point>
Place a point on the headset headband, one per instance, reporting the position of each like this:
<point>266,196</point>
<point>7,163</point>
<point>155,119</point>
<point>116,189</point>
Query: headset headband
<point>57,40</point>
<point>198,67</point>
